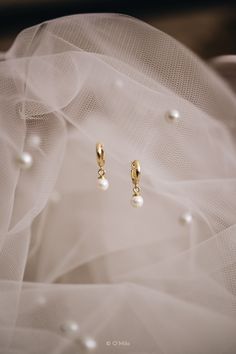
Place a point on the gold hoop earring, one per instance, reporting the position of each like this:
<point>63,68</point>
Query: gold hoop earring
<point>137,199</point>
<point>103,183</point>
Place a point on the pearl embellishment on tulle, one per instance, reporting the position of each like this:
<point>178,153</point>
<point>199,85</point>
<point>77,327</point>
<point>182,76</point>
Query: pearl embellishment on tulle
<point>69,328</point>
<point>186,218</point>
<point>25,160</point>
<point>119,83</point>
<point>173,115</point>
<point>89,344</point>
<point>41,300</point>
<point>103,183</point>
<point>137,201</point>
<point>34,140</point>
<point>55,197</point>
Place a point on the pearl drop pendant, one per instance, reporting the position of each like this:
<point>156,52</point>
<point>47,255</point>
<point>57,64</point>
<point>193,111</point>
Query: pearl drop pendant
<point>25,160</point>
<point>137,201</point>
<point>173,115</point>
<point>69,328</point>
<point>103,183</point>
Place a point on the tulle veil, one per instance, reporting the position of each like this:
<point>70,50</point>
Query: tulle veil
<point>80,269</point>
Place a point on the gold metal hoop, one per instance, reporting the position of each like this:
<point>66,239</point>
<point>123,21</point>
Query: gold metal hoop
<point>100,155</point>
<point>135,172</point>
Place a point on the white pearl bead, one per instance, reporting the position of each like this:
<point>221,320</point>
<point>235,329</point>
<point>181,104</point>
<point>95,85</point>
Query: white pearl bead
<point>119,83</point>
<point>137,201</point>
<point>173,115</point>
<point>186,218</point>
<point>55,197</point>
<point>89,343</point>
<point>103,183</point>
<point>34,140</point>
<point>41,301</point>
<point>25,160</point>
<point>70,328</point>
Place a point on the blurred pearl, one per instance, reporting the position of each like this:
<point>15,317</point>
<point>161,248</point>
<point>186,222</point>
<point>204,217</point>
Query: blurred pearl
<point>69,328</point>
<point>34,140</point>
<point>103,183</point>
<point>89,343</point>
<point>41,300</point>
<point>55,197</point>
<point>137,201</point>
<point>173,115</point>
<point>186,218</point>
<point>25,160</point>
<point>119,83</point>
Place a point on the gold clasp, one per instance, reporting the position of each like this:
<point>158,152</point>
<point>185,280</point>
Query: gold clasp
<point>135,172</point>
<point>100,155</point>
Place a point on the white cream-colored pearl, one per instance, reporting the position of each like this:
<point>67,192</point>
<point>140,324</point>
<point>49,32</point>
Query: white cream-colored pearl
<point>103,183</point>
<point>55,197</point>
<point>89,343</point>
<point>137,201</point>
<point>173,115</point>
<point>34,140</point>
<point>70,328</point>
<point>119,83</point>
<point>186,218</point>
<point>41,300</point>
<point>25,160</point>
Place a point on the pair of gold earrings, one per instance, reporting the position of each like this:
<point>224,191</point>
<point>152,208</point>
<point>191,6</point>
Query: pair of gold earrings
<point>137,199</point>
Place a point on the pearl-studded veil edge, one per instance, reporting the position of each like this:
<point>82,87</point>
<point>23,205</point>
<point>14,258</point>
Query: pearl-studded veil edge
<point>81,270</point>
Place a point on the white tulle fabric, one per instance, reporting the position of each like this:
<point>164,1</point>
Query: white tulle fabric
<point>137,281</point>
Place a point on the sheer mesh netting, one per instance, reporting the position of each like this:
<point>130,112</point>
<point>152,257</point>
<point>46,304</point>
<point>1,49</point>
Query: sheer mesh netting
<point>80,269</point>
